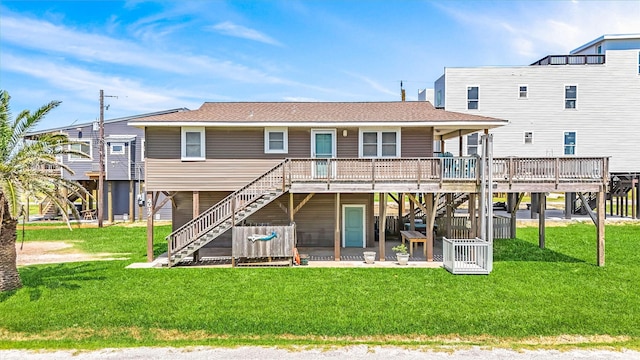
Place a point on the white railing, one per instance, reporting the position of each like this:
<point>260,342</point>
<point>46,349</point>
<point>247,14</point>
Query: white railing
<point>467,256</point>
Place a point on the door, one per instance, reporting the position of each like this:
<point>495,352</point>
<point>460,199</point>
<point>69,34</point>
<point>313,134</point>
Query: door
<point>353,227</point>
<point>323,146</point>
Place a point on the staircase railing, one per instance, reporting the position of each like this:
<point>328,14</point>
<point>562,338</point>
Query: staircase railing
<point>227,208</point>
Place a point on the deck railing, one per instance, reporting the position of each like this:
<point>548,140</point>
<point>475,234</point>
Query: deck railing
<point>226,208</point>
<point>559,169</point>
<point>467,256</point>
<point>421,170</point>
<point>571,60</point>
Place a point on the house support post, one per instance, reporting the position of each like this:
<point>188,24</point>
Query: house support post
<point>473,216</point>
<point>534,204</point>
<point>412,216</point>
<point>109,201</point>
<point>431,219</point>
<point>382,228</point>
<point>568,205</point>
<point>149,204</point>
<point>600,226</point>
<point>449,213</point>
<point>514,214</point>
<point>336,235</point>
<point>131,199</point>
<point>636,187</point>
<point>196,212</point>
<point>400,212</point>
<point>542,204</point>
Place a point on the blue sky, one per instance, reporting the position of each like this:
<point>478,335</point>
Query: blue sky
<point>157,55</point>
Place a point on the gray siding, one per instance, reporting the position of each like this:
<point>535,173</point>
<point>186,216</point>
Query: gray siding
<point>417,142</point>
<point>315,222</point>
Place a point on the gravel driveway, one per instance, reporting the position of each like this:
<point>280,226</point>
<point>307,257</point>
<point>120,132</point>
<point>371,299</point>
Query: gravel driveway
<point>352,352</point>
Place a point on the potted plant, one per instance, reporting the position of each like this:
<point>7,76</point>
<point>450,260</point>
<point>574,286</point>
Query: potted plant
<point>369,257</point>
<point>401,254</point>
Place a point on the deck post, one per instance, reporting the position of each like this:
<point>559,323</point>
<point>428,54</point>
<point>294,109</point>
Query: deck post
<point>382,228</point>
<point>568,205</point>
<point>400,212</point>
<point>336,235</point>
<point>150,226</point>
<point>140,193</point>
<point>473,216</point>
<point>600,226</point>
<point>291,209</point>
<point>542,204</point>
<point>514,214</point>
<point>110,201</point>
<point>430,209</point>
<point>131,191</point>
<point>196,212</point>
<point>449,213</point>
<point>412,216</point>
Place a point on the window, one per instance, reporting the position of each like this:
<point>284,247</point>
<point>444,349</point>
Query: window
<point>599,49</point>
<point>439,98</point>
<point>82,146</point>
<point>472,97</point>
<point>193,143</point>
<point>379,143</point>
<point>472,144</point>
<point>437,147</point>
<point>570,96</point>
<point>116,148</point>
<point>522,92</point>
<point>569,142</point>
<point>528,137</point>
<point>276,141</point>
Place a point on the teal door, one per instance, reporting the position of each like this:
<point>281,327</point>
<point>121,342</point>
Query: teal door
<point>323,149</point>
<point>353,226</point>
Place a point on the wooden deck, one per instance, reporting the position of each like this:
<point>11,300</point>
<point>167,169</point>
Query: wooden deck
<point>453,174</point>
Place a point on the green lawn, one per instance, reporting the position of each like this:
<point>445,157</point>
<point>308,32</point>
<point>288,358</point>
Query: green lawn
<point>531,294</point>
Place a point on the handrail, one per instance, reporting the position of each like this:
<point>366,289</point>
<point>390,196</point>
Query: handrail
<point>225,208</point>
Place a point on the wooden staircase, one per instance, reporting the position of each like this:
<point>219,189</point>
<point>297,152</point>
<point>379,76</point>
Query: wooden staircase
<point>230,211</point>
<point>579,206</point>
<point>441,206</point>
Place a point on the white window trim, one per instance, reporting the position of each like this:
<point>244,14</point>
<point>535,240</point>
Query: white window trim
<point>90,158</point>
<point>183,143</point>
<point>379,144</point>
<point>575,146</point>
<point>526,93</point>
<point>564,97</point>
<point>143,148</point>
<point>469,145</point>
<point>111,145</point>
<point>524,138</point>
<point>466,89</point>
<point>285,138</point>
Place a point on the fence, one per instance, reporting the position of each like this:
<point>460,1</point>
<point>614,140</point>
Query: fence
<point>461,227</point>
<point>259,242</point>
<point>467,256</point>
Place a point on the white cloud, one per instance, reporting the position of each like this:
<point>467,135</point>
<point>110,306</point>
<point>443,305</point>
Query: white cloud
<point>300,99</point>
<point>46,37</point>
<point>230,29</point>
<point>373,84</point>
<point>527,30</point>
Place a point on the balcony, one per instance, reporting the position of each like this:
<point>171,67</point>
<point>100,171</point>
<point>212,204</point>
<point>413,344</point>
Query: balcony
<point>571,60</point>
<point>453,174</point>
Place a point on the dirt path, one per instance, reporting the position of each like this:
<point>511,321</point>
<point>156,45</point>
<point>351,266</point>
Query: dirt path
<point>52,252</point>
<point>351,352</point>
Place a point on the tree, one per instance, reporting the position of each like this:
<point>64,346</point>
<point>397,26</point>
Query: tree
<point>28,167</point>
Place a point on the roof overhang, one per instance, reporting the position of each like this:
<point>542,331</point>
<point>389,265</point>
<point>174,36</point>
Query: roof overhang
<point>454,125</point>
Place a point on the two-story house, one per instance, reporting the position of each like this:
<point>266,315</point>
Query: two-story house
<point>123,150</point>
<point>318,165</point>
<point>585,103</point>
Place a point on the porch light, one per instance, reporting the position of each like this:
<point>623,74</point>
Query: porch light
<point>344,133</point>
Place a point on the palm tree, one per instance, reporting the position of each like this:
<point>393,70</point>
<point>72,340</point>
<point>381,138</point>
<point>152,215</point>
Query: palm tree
<point>28,168</point>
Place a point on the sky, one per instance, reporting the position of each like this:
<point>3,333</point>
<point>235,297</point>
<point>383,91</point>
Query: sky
<point>156,55</point>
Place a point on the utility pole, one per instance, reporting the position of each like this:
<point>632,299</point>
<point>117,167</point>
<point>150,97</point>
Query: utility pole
<point>101,164</point>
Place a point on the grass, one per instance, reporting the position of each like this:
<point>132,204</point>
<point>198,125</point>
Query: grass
<point>533,295</point>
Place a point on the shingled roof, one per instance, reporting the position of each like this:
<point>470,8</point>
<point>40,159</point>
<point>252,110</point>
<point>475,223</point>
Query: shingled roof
<point>239,113</point>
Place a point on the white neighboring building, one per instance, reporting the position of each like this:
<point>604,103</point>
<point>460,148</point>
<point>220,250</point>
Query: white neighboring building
<point>583,104</point>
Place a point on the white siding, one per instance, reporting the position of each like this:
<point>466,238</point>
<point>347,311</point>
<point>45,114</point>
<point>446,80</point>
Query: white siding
<point>606,117</point>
